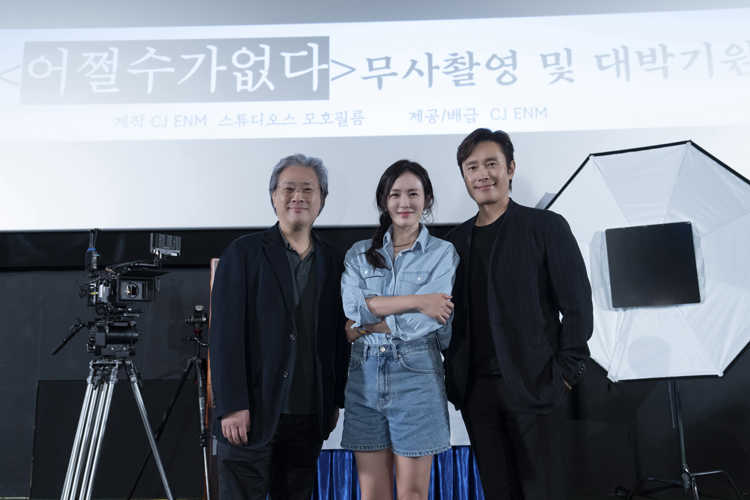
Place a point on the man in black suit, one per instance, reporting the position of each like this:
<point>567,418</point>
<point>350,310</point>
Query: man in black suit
<point>279,355</point>
<point>511,361</point>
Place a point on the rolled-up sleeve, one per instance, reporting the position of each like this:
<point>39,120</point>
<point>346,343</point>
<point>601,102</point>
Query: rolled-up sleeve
<point>441,281</point>
<point>355,291</point>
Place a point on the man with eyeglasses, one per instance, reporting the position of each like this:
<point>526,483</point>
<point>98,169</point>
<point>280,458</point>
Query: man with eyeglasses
<point>279,354</point>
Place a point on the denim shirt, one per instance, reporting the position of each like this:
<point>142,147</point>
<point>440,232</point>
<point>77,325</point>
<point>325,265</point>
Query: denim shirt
<point>429,266</point>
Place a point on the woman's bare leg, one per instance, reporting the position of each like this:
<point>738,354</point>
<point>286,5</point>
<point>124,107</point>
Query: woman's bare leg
<point>375,470</point>
<point>413,477</point>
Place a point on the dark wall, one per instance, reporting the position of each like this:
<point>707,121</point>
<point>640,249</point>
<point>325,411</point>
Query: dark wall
<point>617,432</point>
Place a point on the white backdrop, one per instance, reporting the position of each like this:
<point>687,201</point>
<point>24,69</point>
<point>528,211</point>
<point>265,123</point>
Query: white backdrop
<point>563,86</point>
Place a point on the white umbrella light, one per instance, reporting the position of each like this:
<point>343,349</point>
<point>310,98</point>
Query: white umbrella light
<point>656,185</point>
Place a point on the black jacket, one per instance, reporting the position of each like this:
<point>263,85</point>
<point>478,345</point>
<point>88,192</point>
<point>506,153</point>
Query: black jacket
<point>252,332</point>
<point>536,273</point>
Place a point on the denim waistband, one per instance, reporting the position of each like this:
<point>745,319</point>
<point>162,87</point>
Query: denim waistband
<point>428,342</point>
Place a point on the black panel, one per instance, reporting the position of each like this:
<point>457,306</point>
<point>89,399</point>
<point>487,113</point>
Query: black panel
<point>652,265</point>
<point>125,443</point>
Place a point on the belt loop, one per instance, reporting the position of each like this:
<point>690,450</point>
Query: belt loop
<point>364,352</point>
<point>395,352</point>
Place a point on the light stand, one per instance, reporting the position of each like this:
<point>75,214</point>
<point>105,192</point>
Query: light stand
<point>688,479</point>
<point>198,320</point>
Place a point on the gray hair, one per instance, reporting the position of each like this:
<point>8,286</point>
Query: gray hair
<point>316,164</point>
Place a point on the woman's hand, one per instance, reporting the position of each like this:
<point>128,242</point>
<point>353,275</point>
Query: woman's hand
<point>436,305</point>
<point>353,334</point>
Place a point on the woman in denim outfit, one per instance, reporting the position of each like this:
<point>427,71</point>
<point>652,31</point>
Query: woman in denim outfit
<point>396,292</point>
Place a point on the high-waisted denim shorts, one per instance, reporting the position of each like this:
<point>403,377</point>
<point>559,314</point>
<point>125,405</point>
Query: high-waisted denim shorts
<point>395,398</point>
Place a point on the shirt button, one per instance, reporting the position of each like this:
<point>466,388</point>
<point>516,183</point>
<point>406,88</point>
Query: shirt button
<point>286,374</point>
<point>292,337</point>
<point>382,349</point>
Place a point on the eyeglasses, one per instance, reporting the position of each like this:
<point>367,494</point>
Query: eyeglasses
<point>289,190</point>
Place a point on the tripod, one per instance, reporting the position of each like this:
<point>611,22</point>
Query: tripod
<point>198,320</point>
<point>84,458</point>
<point>688,479</point>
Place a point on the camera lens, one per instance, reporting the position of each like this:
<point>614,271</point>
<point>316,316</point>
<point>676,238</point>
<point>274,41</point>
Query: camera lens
<point>132,290</point>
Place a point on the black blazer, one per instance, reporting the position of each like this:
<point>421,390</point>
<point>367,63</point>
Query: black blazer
<point>252,326</point>
<point>536,273</point>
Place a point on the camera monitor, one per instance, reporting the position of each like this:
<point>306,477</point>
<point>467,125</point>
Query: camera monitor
<point>652,265</point>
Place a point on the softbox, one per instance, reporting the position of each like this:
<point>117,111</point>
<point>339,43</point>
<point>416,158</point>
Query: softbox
<point>677,182</point>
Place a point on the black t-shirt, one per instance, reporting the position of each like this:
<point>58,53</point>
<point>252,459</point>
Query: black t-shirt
<point>482,346</point>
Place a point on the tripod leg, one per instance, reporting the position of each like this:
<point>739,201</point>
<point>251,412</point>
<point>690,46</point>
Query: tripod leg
<point>77,441</point>
<point>96,395</point>
<point>206,472</point>
<point>694,487</point>
<point>100,423</point>
<point>149,433</point>
<point>102,427</point>
<point>157,435</point>
<point>726,475</point>
<point>202,409</point>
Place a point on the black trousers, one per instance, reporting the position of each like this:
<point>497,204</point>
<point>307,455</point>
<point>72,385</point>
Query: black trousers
<point>285,467</point>
<point>519,454</point>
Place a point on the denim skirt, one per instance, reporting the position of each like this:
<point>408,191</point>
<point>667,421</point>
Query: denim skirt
<point>395,398</point>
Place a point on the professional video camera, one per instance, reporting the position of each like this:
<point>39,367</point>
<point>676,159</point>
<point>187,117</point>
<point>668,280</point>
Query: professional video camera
<point>112,335</point>
<point>114,291</point>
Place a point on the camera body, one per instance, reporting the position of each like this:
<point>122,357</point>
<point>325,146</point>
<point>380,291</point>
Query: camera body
<point>116,289</point>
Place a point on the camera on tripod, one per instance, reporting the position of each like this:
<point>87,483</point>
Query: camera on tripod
<point>114,291</point>
<point>112,335</point>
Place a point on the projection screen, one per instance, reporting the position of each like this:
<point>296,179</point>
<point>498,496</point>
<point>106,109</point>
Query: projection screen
<point>179,127</point>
